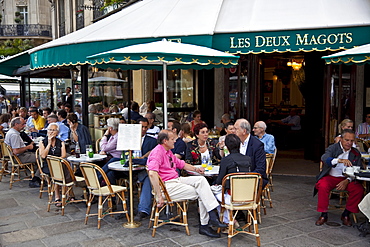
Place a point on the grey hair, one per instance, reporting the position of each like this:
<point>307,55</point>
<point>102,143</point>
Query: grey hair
<point>244,124</point>
<point>54,124</point>
<point>262,125</point>
<point>16,120</point>
<point>113,122</point>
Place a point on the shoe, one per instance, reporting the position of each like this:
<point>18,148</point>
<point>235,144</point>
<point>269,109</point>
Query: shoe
<point>140,216</point>
<point>321,221</point>
<point>208,231</point>
<point>216,223</point>
<point>34,184</point>
<point>346,221</point>
<point>58,203</point>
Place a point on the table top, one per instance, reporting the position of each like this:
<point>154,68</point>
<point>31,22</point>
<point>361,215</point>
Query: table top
<point>118,167</point>
<point>213,172</point>
<point>84,158</point>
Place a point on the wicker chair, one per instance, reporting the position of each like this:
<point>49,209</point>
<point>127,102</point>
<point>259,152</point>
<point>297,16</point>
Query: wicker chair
<point>266,195</point>
<point>18,167</point>
<point>45,178</point>
<point>182,208</point>
<point>59,170</point>
<point>90,173</point>
<point>245,191</point>
<point>4,159</point>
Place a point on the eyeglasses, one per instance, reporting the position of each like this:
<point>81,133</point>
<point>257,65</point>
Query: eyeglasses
<point>52,130</point>
<point>256,127</point>
<point>170,158</point>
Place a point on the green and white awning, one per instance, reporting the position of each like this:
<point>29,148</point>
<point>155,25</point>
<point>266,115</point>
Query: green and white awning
<point>357,55</point>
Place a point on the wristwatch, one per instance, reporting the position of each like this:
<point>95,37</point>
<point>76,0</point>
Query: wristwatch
<point>349,179</point>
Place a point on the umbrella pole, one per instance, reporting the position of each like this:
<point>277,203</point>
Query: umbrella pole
<point>165,116</point>
<point>132,223</point>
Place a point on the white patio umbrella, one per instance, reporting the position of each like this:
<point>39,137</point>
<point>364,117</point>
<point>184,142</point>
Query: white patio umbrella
<point>159,55</point>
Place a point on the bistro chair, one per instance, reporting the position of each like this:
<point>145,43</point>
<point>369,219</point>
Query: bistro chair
<point>61,174</point>
<point>90,172</point>
<point>266,195</point>
<point>45,178</point>
<point>4,159</point>
<point>245,189</point>
<point>18,167</point>
<point>343,194</point>
<point>97,145</point>
<point>179,219</point>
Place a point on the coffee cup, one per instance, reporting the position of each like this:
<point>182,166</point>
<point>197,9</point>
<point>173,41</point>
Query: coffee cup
<point>349,170</point>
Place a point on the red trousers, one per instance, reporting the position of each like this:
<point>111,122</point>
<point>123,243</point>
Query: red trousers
<point>327,183</point>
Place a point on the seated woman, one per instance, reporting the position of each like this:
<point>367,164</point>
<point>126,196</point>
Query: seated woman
<point>234,162</point>
<point>345,124</point>
<point>78,132</point>
<point>53,146</point>
<point>202,147</point>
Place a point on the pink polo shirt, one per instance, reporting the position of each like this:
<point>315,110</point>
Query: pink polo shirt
<point>164,162</point>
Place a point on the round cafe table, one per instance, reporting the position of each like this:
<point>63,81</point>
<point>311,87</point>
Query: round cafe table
<point>210,173</point>
<point>116,166</point>
<point>85,158</point>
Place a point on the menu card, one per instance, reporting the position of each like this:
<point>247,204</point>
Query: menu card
<point>129,137</point>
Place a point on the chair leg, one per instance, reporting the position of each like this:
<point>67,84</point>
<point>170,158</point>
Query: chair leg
<point>231,228</point>
<point>88,208</point>
<point>41,186</point>
<point>151,219</point>
<point>155,224</point>
<point>354,217</point>
<point>12,177</point>
<point>255,225</point>
<point>185,217</point>
<point>50,196</point>
<point>64,198</point>
<point>100,210</point>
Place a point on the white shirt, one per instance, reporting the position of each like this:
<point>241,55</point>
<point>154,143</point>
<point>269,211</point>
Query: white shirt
<point>244,145</point>
<point>338,170</point>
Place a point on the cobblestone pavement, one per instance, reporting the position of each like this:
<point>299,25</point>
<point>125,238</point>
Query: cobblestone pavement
<point>291,222</point>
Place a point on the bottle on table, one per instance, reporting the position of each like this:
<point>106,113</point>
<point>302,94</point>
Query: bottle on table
<point>78,150</point>
<point>123,158</point>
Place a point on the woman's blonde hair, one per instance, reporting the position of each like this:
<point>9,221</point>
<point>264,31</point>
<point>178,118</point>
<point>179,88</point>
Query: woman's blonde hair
<point>343,123</point>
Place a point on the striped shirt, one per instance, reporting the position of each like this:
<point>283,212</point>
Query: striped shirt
<point>363,128</point>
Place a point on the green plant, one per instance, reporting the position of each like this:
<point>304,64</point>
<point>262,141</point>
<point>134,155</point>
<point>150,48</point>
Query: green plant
<point>17,13</point>
<point>17,20</point>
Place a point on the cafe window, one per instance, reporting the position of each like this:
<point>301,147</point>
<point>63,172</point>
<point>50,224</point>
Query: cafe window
<point>180,88</point>
<point>180,92</point>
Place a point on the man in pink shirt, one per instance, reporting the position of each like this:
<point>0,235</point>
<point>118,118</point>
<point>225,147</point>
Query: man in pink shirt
<point>163,162</point>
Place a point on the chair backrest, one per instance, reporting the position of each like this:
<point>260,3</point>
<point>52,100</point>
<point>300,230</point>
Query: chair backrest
<point>13,158</point>
<point>97,145</point>
<point>244,187</point>
<point>58,168</point>
<point>164,190</point>
<point>2,149</point>
<point>270,161</point>
<point>90,172</point>
<point>39,160</point>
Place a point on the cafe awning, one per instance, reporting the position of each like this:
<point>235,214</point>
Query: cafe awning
<point>235,26</point>
<point>357,55</point>
<point>12,63</point>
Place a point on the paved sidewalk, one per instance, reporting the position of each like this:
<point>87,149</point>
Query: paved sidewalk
<point>25,222</point>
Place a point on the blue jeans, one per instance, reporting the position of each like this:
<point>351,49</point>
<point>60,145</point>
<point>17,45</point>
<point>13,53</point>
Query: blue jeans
<point>145,203</point>
<point>110,173</point>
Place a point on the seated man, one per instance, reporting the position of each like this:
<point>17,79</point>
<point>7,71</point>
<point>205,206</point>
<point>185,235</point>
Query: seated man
<point>363,129</point>
<point>162,162</point>
<point>152,129</point>
<point>180,145</point>
<point>37,120</point>
<point>259,130</point>
<point>63,129</point>
<point>336,157</point>
<point>14,140</point>
<point>293,120</point>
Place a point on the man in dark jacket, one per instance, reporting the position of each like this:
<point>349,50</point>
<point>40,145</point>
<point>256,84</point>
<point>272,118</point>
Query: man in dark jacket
<point>335,159</point>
